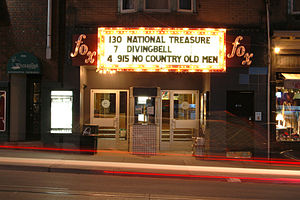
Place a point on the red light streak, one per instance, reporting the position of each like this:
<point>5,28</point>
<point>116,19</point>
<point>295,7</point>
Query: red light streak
<point>256,160</point>
<point>222,178</point>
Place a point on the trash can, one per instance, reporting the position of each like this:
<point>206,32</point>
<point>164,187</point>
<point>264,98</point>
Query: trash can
<point>88,139</point>
<point>88,144</point>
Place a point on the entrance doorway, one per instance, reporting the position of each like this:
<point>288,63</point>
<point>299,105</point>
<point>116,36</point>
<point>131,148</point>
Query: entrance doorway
<point>109,110</point>
<point>240,117</point>
<point>33,112</point>
<point>179,119</point>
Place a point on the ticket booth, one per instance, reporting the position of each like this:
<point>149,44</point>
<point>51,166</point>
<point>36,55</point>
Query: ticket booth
<point>144,122</point>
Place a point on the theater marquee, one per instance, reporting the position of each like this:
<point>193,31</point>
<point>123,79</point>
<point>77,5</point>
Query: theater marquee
<point>161,49</point>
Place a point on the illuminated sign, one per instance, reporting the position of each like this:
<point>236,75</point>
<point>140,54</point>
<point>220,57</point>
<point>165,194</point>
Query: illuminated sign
<point>240,51</point>
<point>84,49</point>
<point>161,49</point>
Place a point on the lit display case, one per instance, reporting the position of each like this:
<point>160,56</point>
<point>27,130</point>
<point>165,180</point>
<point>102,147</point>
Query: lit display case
<point>144,129</point>
<point>61,111</point>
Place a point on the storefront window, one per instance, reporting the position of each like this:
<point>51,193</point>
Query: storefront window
<point>287,114</point>
<point>61,111</point>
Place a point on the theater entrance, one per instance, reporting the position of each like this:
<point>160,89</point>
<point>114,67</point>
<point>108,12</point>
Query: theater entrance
<point>109,110</point>
<point>179,119</point>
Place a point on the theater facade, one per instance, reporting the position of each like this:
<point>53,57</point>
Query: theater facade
<point>157,89</point>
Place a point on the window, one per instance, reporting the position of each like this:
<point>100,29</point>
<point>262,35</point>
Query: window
<point>4,16</point>
<point>288,113</point>
<point>185,5</point>
<point>157,5</point>
<point>128,6</point>
<point>61,111</point>
<point>295,6</point>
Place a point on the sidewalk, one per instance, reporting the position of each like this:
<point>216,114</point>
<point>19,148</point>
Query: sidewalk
<point>169,165</point>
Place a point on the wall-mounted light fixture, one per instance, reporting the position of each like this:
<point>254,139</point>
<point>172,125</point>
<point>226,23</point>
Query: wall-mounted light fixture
<point>276,50</point>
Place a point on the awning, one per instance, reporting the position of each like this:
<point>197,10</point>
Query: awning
<point>23,63</point>
<point>291,81</point>
<point>291,76</point>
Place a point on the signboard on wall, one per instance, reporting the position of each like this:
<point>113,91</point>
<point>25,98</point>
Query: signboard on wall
<point>84,49</point>
<point>161,49</point>
<point>238,51</point>
<point>23,63</point>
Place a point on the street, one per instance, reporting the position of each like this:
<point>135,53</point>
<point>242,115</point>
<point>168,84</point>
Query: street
<point>23,185</point>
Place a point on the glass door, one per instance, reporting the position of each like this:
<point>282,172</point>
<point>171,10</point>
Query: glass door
<point>180,117</point>
<point>109,111</point>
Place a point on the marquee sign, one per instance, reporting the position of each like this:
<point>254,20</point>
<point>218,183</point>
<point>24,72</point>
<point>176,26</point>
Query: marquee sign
<point>161,49</point>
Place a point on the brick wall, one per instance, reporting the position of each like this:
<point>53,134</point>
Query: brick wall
<point>26,31</point>
<point>231,12</point>
<point>225,13</point>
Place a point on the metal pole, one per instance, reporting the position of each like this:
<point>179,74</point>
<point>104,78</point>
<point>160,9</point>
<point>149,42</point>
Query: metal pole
<point>269,77</point>
<point>49,30</point>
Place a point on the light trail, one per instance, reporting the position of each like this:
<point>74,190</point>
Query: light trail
<point>264,161</point>
<point>144,166</point>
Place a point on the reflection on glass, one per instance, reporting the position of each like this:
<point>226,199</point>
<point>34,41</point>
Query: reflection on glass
<point>123,116</point>
<point>184,106</point>
<point>61,111</point>
<point>104,105</point>
<point>287,114</point>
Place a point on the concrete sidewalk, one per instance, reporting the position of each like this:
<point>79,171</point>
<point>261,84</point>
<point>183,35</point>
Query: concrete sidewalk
<point>167,165</point>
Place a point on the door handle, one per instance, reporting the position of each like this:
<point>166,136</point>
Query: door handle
<point>115,122</point>
<point>173,124</point>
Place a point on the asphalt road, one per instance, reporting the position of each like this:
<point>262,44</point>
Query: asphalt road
<point>25,185</point>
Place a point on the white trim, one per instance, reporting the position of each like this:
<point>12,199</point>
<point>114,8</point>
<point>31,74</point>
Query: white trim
<point>292,8</point>
<point>157,10</point>
<point>185,10</point>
